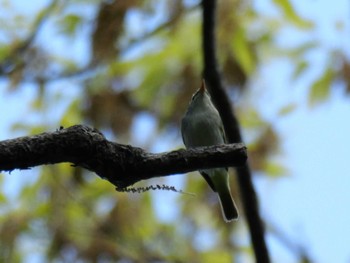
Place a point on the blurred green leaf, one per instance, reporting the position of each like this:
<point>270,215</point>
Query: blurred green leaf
<point>299,69</point>
<point>274,169</point>
<point>287,109</point>
<point>72,115</point>
<point>242,51</point>
<point>4,51</point>
<point>320,89</point>
<point>69,24</point>
<point>291,15</point>
<point>251,119</point>
<point>300,50</point>
<point>3,199</point>
<point>217,256</point>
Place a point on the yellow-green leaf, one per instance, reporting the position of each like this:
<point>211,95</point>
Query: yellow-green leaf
<point>72,115</point>
<point>217,256</point>
<point>70,24</point>
<point>320,89</point>
<point>242,52</point>
<point>291,15</point>
<point>274,169</point>
<point>287,109</point>
<point>300,69</point>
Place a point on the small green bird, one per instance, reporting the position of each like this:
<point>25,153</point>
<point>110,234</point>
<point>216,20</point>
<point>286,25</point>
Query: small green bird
<point>202,126</point>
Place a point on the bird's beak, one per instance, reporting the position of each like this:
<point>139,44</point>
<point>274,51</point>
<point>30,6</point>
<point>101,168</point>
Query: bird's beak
<point>202,88</point>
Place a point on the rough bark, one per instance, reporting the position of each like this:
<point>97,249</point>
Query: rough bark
<point>122,165</point>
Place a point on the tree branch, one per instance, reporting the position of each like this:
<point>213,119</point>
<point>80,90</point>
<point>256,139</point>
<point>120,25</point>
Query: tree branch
<point>122,165</point>
<point>232,130</point>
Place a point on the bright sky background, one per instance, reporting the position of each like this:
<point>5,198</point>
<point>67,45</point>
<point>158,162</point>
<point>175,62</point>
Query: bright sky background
<point>311,204</point>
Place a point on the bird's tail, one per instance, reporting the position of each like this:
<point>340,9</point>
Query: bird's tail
<point>218,181</point>
<point>228,206</point>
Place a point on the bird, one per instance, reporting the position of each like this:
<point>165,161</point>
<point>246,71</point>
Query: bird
<point>202,126</point>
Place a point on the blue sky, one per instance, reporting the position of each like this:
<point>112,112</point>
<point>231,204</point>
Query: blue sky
<point>310,203</point>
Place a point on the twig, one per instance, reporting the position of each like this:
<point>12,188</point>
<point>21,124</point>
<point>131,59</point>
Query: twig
<point>161,27</point>
<point>144,189</point>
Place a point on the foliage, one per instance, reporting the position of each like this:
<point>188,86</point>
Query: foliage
<point>114,62</point>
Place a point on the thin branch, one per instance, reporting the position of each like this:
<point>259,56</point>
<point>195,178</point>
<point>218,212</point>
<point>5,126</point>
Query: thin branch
<point>122,165</point>
<point>93,65</point>
<point>9,63</point>
<point>232,129</point>
<point>161,27</point>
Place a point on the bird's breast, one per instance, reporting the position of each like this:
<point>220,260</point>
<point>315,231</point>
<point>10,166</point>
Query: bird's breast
<point>201,131</point>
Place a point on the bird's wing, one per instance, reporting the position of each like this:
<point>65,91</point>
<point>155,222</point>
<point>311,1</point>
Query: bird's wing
<point>209,181</point>
<point>221,127</point>
<point>184,125</point>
